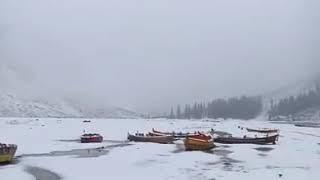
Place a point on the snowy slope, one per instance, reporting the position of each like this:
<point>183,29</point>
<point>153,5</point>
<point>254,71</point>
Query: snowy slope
<point>293,89</point>
<point>14,106</point>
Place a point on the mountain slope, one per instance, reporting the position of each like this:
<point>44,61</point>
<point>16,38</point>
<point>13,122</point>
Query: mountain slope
<point>13,106</point>
<point>296,102</point>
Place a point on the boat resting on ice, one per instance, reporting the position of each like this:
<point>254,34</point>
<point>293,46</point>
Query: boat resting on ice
<point>7,152</point>
<point>175,134</point>
<point>161,139</point>
<point>247,140</point>
<point>264,130</point>
<point>91,138</point>
<point>200,142</point>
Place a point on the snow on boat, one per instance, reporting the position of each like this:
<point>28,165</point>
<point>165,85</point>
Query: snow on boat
<point>199,142</point>
<point>175,134</point>
<point>265,130</point>
<point>91,138</point>
<point>7,152</point>
<point>140,137</point>
<point>247,140</point>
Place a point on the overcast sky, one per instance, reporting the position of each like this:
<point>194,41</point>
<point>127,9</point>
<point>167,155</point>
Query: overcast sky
<point>149,55</point>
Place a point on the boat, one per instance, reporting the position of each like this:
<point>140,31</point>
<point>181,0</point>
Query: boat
<point>247,140</point>
<point>91,138</point>
<point>175,134</point>
<point>7,152</point>
<point>265,130</point>
<point>140,137</point>
<point>307,124</point>
<point>200,142</point>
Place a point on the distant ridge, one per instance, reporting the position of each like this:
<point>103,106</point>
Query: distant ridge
<point>13,106</point>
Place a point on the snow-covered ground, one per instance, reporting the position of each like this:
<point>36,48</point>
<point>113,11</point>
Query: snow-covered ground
<point>296,156</point>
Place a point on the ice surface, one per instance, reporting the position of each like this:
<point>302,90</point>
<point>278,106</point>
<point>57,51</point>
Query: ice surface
<point>296,156</point>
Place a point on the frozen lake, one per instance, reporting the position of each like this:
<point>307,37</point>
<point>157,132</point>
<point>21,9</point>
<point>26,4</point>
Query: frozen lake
<point>49,148</point>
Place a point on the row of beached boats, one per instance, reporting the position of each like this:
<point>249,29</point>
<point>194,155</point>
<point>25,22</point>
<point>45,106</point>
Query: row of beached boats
<point>192,141</point>
<point>205,140</point>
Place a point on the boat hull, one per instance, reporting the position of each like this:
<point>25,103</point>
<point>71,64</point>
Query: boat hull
<point>263,130</point>
<point>176,135</point>
<point>193,144</point>
<point>153,139</point>
<point>7,153</point>
<point>5,158</point>
<point>92,139</point>
<point>233,140</point>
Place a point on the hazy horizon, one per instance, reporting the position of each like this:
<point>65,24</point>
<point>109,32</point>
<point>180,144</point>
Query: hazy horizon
<point>150,55</point>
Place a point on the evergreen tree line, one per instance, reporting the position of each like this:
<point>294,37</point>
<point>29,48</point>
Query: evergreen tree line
<point>235,108</point>
<point>295,104</point>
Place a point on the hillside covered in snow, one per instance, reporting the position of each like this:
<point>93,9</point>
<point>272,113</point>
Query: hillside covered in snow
<point>298,102</point>
<point>13,106</point>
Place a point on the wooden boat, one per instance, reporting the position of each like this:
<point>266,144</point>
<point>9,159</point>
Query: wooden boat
<point>175,134</point>
<point>307,124</point>
<point>91,138</point>
<point>247,140</point>
<point>265,130</point>
<point>199,142</point>
<point>140,137</point>
<point>7,152</point>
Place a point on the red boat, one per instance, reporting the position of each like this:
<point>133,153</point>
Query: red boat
<point>91,138</point>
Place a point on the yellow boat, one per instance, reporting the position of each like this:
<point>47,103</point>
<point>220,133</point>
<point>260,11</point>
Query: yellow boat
<point>199,142</point>
<point>7,152</point>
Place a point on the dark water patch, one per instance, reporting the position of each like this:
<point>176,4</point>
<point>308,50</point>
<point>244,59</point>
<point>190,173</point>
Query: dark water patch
<point>79,141</point>
<point>206,169</point>
<point>42,174</point>
<point>288,167</point>
<point>69,140</point>
<point>79,153</point>
<point>264,149</point>
<point>262,155</point>
<point>116,141</point>
<point>149,162</point>
<point>188,169</point>
<point>163,155</point>
<point>220,152</point>
<point>228,164</point>
<point>180,148</point>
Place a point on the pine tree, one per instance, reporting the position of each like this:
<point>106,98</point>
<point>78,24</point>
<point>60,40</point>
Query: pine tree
<point>171,116</point>
<point>178,115</point>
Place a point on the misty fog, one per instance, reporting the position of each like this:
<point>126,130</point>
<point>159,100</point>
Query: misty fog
<point>150,55</point>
